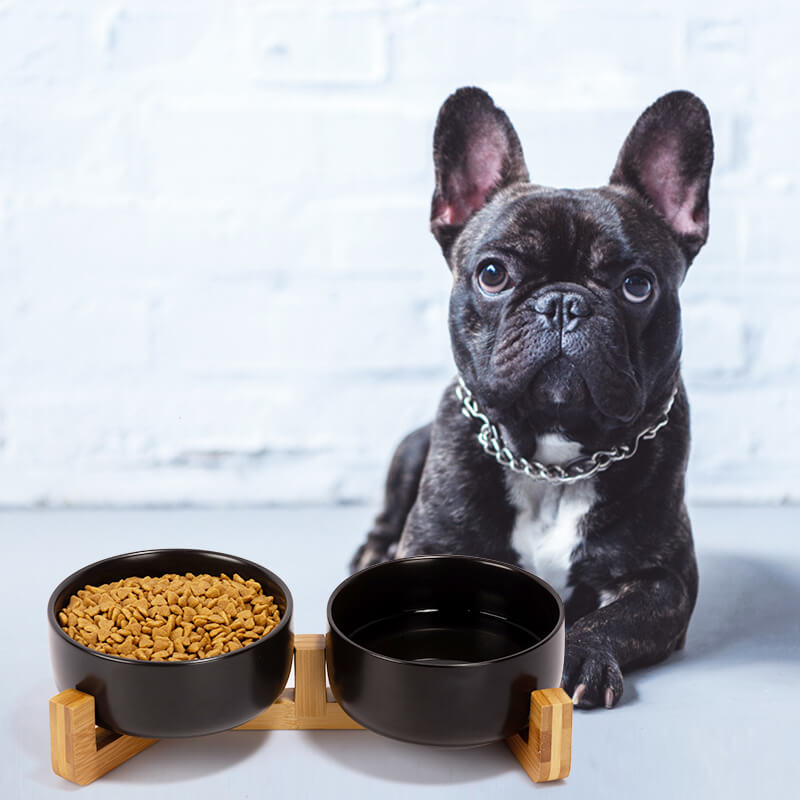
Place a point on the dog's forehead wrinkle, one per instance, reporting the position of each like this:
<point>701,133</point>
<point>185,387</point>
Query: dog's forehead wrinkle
<point>559,229</point>
<point>636,214</point>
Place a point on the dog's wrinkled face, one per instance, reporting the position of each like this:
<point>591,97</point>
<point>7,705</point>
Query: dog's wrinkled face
<point>561,319</point>
<point>564,313</point>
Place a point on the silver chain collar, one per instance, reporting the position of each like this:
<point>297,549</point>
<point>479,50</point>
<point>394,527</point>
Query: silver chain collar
<point>578,470</point>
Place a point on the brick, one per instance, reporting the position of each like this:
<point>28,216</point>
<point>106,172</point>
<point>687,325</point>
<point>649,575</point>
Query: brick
<point>570,147</point>
<point>95,46</point>
<point>43,145</point>
<point>710,35</point>
<point>72,336</point>
<point>715,339</point>
<point>598,58</point>
<point>310,324</point>
<point>43,47</point>
<point>147,245</point>
<point>205,152</point>
<point>717,59</point>
<point>733,146</point>
<point>774,41</point>
<point>300,47</point>
<point>150,37</point>
<point>377,148</point>
<point>777,343</point>
<point>774,137</point>
<point>739,444</point>
<point>380,235</point>
<point>729,222</point>
<point>720,269</point>
<point>773,236</point>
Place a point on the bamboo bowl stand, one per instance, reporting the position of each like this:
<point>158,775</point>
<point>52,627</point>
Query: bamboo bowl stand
<point>82,751</point>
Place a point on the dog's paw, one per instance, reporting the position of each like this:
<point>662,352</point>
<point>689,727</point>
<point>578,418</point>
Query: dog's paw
<point>592,676</point>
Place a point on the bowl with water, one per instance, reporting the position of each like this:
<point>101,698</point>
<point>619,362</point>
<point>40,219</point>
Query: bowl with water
<point>443,650</point>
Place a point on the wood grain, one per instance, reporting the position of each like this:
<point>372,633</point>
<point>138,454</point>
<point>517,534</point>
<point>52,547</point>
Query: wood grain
<point>309,705</point>
<point>80,751</point>
<point>282,715</point>
<point>546,754</point>
<point>310,697</point>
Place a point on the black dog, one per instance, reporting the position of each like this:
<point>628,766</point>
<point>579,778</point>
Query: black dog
<point>565,327</point>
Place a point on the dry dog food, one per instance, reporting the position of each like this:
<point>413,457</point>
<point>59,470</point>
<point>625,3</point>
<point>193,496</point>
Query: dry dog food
<point>170,618</point>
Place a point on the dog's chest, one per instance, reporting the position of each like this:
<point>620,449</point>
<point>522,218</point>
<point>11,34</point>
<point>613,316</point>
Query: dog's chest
<point>549,518</point>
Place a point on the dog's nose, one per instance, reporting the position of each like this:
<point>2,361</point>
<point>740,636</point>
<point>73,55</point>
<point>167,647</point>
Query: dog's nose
<point>574,305</point>
<point>549,304</point>
<point>562,309</point>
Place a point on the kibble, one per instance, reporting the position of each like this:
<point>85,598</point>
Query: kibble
<point>170,618</point>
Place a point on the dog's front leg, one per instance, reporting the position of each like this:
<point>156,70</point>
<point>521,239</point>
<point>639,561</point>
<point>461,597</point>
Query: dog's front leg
<point>402,484</point>
<point>643,618</point>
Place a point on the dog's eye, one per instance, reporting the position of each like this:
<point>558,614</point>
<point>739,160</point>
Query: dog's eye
<point>493,278</point>
<point>637,287</point>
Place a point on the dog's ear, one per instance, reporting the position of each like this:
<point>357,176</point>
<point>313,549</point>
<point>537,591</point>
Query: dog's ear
<point>667,158</point>
<point>475,152</point>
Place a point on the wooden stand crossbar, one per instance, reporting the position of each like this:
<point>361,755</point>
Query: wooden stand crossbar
<point>81,751</point>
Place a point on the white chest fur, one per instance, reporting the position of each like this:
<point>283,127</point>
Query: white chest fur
<point>549,520</point>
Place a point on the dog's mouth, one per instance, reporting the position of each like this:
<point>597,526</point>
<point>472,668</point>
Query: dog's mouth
<point>558,387</point>
<point>556,400</point>
<point>565,373</point>
<point>580,399</point>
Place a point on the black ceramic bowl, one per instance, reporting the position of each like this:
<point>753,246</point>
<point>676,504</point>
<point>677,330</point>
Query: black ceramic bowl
<point>443,650</point>
<point>167,699</point>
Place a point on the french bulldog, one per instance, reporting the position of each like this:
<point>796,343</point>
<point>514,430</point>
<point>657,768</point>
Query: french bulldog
<point>562,444</point>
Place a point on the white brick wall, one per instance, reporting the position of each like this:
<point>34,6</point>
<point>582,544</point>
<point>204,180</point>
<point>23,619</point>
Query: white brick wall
<point>216,280</point>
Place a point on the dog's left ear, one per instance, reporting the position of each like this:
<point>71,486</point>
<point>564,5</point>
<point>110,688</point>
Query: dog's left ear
<point>476,152</point>
<point>667,159</point>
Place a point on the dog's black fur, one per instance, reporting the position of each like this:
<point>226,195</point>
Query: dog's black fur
<point>563,349</point>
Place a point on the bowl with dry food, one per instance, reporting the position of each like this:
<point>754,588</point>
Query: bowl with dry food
<point>443,650</point>
<point>172,643</point>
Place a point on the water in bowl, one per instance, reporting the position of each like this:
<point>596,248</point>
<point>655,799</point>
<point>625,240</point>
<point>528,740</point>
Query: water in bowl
<point>444,637</point>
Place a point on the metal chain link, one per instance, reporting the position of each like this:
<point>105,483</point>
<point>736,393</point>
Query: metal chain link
<point>578,470</point>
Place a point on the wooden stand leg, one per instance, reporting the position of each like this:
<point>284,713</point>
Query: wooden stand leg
<point>308,706</point>
<point>81,752</point>
<point>547,752</point>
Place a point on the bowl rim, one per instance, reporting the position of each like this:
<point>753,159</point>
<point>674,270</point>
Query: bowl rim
<point>444,557</point>
<point>52,612</point>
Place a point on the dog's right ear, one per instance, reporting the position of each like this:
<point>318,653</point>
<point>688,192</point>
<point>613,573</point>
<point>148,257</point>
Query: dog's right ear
<point>476,152</point>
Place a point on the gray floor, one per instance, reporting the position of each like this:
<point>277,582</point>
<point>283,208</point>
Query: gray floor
<point>717,720</point>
